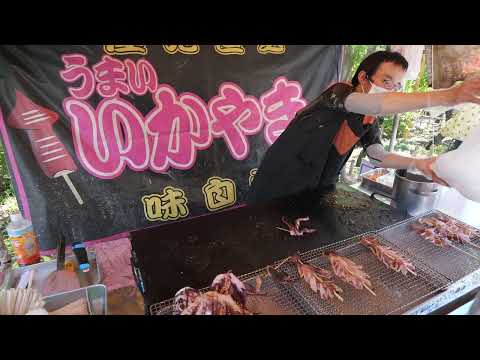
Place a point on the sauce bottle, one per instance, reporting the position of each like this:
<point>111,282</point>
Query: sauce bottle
<point>24,240</point>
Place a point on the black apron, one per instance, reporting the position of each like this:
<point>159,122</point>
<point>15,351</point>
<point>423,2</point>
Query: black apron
<point>294,164</point>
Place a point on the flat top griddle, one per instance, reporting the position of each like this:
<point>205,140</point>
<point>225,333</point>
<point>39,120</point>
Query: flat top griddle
<point>444,276</point>
<point>193,252</point>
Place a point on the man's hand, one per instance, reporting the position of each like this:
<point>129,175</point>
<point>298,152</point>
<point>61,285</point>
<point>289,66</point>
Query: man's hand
<point>425,166</point>
<point>467,92</point>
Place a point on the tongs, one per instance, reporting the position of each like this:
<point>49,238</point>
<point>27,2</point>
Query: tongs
<point>61,253</point>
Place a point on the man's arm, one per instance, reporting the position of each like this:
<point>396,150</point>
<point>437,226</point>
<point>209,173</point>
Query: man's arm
<point>372,143</point>
<point>393,103</point>
<point>385,159</point>
<point>389,160</point>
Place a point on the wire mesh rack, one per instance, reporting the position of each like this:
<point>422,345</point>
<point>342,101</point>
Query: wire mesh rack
<point>474,248</point>
<point>454,262</point>
<point>281,299</point>
<point>395,292</point>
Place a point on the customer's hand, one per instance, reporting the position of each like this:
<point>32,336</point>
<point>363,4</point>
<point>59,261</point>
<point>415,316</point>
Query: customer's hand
<point>425,166</point>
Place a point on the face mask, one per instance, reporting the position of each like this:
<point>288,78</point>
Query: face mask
<point>374,89</point>
<point>377,89</point>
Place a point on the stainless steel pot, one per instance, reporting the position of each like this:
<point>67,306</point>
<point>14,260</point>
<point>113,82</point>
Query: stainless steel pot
<point>414,194</point>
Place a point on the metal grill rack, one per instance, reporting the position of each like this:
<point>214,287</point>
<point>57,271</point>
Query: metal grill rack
<point>281,299</point>
<point>396,293</point>
<point>453,262</point>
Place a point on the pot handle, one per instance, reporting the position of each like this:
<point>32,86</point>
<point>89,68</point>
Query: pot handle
<point>424,193</point>
<point>373,196</point>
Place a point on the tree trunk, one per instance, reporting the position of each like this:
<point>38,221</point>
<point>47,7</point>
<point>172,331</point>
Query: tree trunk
<point>420,74</point>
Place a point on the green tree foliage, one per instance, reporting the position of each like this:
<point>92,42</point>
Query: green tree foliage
<point>6,188</point>
<point>359,52</point>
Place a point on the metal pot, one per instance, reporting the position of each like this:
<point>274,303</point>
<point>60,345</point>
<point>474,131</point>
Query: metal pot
<point>414,194</point>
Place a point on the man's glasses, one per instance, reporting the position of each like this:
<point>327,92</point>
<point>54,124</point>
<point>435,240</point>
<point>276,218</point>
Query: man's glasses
<point>390,84</point>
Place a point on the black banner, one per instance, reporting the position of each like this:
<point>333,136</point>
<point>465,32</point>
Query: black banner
<point>106,139</point>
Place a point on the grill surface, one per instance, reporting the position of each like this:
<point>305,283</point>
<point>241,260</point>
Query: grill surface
<point>396,293</point>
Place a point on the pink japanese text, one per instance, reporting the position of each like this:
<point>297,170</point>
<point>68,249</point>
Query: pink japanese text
<point>116,135</point>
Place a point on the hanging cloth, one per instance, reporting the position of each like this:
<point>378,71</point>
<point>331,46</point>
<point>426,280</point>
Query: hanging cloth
<point>413,54</point>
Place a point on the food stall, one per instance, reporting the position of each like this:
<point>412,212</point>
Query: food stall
<point>246,240</point>
<point>135,153</point>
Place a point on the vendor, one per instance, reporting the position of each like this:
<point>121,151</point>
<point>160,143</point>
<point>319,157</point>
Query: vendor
<point>307,158</point>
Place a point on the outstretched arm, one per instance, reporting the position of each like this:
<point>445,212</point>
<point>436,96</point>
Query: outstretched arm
<point>389,160</point>
<point>393,103</point>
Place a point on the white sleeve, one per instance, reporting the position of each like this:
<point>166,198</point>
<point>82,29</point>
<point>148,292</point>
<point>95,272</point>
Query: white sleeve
<point>376,153</point>
<point>375,104</point>
<point>365,104</point>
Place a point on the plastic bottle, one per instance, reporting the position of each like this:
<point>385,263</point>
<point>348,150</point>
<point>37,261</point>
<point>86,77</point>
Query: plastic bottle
<point>24,240</point>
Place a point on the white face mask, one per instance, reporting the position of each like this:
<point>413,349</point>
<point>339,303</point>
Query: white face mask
<point>374,89</point>
<point>377,89</point>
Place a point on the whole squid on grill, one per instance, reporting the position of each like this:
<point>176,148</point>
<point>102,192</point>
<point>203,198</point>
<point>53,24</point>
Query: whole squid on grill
<point>465,229</point>
<point>214,303</point>
<point>430,234</point>
<point>183,299</point>
<point>443,231</point>
<point>349,272</point>
<point>318,279</point>
<point>387,256</point>
<point>189,301</point>
<point>229,284</point>
<point>227,296</point>
<point>294,229</point>
<point>453,230</point>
